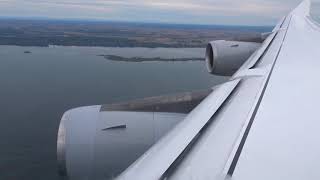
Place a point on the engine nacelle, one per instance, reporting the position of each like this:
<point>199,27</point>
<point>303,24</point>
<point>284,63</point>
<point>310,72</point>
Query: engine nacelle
<point>225,57</point>
<point>99,142</point>
<point>95,144</point>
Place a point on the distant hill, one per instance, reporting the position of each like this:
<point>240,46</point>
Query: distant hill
<point>119,34</point>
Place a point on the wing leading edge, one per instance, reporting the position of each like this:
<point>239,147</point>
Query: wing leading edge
<point>233,133</point>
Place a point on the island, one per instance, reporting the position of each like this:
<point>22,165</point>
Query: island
<point>144,59</point>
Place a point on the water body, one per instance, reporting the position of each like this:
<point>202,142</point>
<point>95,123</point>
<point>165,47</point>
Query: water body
<point>38,86</point>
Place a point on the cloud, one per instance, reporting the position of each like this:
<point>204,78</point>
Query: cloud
<point>252,12</point>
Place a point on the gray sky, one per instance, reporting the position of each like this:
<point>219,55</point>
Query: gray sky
<point>243,12</point>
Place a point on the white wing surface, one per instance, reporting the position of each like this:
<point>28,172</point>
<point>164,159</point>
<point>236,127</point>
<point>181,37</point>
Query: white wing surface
<point>262,124</point>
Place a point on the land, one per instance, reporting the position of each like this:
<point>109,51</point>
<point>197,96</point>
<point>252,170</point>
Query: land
<point>119,34</point>
<point>142,59</point>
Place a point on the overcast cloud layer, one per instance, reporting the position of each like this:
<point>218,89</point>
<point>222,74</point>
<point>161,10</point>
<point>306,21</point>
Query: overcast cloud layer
<point>243,12</point>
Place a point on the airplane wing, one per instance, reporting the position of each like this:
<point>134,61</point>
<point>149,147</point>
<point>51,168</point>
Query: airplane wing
<point>261,124</point>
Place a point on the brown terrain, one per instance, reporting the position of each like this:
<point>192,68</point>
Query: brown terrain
<point>119,34</point>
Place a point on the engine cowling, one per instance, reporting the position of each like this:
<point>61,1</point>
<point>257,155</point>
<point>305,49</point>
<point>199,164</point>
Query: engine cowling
<point>99,142</point>
<point>95,144</point>
<point>225,57</point>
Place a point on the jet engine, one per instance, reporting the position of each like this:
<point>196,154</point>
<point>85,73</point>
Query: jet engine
<point>225,57</point>
<point>99,142</point>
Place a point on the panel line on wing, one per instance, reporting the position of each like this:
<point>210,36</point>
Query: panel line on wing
<point>248,127</point>
<point>198,136</point>
<point>256,57</point>
<point>179,138</point>
<point>254,65</point>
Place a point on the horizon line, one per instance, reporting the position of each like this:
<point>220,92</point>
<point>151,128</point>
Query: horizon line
<point>118,21</point>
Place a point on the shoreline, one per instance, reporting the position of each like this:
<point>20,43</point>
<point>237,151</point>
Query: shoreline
<point>153,59</point>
